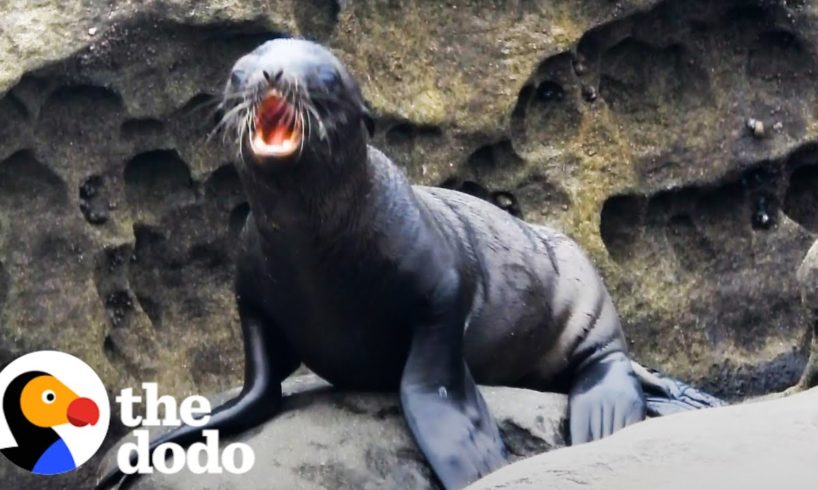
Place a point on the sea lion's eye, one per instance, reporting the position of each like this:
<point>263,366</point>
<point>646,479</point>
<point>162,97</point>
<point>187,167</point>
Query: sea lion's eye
<point>49,396</point>
<point>329,78</point>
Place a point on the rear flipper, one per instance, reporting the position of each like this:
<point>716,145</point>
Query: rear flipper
<point>666,396</point>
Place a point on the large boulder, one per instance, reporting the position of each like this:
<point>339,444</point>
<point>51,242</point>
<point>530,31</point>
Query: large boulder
<point>749,447</point>
<point>326,439</point>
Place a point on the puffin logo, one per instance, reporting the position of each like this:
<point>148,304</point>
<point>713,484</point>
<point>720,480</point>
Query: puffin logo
<point>54,412</point>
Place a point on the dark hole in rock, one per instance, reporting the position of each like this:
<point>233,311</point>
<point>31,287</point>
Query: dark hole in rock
<point>545,109</point>
<point>764,213</point>
<point>778,56</point>
<point>28,184</point>
<point>619,223</point>
<point>111,268</point>
<point>750,380</point>
<point>152,309</point>
<point>149,260</point>
<point>761,184</point>
<point>482,158</point>
<point>690,247</point>
<point>149,243</point>
<point>11,106</point>
<point>80,113</point>
<point>157,180</point>
<point>660,207</point>
<point>549,91</point>
<point>135,129</point>
<point>223,186</point>
<point>316,19</point>
<point>754,14</point>
<point>508,202</point>
<point>237,218</point>
<point>111,283</point>
<point>589,93</point>
<point>94,203</point>
<point>13,122</point>
<point>399,135</point>
<point>637,77</point>
<point>504,200</point>
<point>406,134</point>
<point>467,187</point>
<point>475,189</point>
<point>451,183</point>
<point>489,158</point>
<point>520,108</point>
<point>119,305</point>
<point>91,187</point>
<point>109,346</point>
<point>210,256</point>
<point>595,41</point>
<point>801,201</point>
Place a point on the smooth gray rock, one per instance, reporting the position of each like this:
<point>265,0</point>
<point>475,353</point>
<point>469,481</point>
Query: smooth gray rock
<point>326,439</point>
<point>757,446</point>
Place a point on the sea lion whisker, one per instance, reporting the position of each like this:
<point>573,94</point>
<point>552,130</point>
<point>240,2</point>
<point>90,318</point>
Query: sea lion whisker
<point>300,127</point>
<point>240,135</point>
<point>246,129</point>
<point>323,135</point>
<point>311,109</point>
<point>230,118</point>
<point>306,121</point>
<point>236,110</point>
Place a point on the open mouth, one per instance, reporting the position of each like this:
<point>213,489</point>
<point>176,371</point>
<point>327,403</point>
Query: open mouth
<point>277,127</point>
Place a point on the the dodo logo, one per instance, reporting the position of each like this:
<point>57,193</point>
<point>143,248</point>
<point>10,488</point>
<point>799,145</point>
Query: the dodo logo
<point>54,412</point>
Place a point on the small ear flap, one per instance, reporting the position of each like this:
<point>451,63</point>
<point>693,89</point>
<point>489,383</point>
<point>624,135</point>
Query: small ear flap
<point>368,120</point>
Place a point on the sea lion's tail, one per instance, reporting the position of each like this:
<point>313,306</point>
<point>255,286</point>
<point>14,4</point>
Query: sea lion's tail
<point>665,396</point>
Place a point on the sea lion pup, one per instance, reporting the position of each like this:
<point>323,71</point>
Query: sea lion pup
<point>378,285</point>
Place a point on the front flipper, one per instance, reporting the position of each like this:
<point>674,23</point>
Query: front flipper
<point>268,360</point>
<point>606,396</point>
<point>454,430</point>
<point>666,396</point>
<point>442,405</point>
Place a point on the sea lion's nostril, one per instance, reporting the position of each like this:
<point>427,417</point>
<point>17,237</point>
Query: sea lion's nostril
<point>237,77</point>
<point>272,80</point>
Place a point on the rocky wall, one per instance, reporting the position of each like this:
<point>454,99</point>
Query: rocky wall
<point>676,140</point>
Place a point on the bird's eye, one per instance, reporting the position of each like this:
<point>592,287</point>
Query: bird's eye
<point>49,396</point>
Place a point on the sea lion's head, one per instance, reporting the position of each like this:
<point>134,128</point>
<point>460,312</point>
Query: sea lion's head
<point>292,102</point>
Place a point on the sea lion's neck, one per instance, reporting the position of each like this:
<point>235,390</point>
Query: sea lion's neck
<point>312,206</point>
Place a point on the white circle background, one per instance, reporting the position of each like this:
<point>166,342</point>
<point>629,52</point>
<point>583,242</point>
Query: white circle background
<point>83,442</point>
